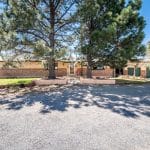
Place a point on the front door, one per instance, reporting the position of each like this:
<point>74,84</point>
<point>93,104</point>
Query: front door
<point>148,72</point>
<point>137,72</point>
<point>71,68</point>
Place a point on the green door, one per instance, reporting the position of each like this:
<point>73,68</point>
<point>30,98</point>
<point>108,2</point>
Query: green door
<point>137,72</point>
<point>148,72</point>
<point>130,71</point>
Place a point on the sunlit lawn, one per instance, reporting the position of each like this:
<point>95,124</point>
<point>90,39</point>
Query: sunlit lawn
<point>132,81</point>
<point>16,81</point>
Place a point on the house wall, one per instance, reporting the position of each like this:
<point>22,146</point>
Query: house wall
<point>31,65</point>
<point>29,69</point>
<point>26,65</point>
<point>106,72</point>
<point>64,65</point>
<point>79,67</point>
<point>6,73</point>
<point>142,65</point>
<point>36,69</point>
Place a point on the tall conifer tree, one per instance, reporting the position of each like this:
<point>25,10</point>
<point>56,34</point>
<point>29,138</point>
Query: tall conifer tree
<point>113,31</point>
<point>42,25</point>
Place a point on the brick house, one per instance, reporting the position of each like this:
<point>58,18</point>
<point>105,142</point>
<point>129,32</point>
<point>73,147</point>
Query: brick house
<point>138,69</point>
<point>66,68</point>
<point>63,68</point>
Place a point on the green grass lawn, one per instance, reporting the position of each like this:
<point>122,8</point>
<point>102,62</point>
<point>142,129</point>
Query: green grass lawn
<point>131,81</point>
<point>16,81</point>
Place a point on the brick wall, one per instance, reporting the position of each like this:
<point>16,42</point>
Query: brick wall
<point>25,64</point>
<point>103,73</point>
<point>125,72</point>
<point>6,73</point>
<point>29,72</point>
<point>143,73</point>
<point>81,71</point>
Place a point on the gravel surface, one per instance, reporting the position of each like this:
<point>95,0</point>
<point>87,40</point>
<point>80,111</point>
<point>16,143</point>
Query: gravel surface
<point>77,118</point>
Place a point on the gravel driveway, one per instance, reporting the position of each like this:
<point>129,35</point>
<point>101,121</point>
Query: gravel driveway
<point>77,118</point>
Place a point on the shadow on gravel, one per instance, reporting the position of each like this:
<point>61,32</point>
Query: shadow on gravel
<point>127,100</point>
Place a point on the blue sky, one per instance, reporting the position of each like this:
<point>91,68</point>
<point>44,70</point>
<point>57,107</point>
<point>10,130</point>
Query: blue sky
<point>145,11</point>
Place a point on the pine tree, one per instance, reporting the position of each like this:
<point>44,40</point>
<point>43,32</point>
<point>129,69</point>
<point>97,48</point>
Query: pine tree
<point>40,25</point>
<point>113,32</point>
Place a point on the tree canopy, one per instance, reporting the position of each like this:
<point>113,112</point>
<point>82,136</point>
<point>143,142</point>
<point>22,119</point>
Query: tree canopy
<point>39,25</point>
<point>112,31</point>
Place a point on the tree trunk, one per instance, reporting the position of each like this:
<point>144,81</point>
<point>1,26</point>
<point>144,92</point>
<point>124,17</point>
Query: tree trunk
<point>89,67</point>
<point>51,60</point>
<point>51,68</point>
<point>89,57</point>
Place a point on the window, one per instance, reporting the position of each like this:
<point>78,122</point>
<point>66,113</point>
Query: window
<point>137,72</point>
<point>130,71</point>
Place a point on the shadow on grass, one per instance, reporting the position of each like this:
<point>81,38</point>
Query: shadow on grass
<point>129,101</point>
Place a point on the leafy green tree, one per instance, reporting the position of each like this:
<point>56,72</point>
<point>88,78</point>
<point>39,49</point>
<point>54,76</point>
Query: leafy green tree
<point>39,25</point>
<point>113,32</point>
